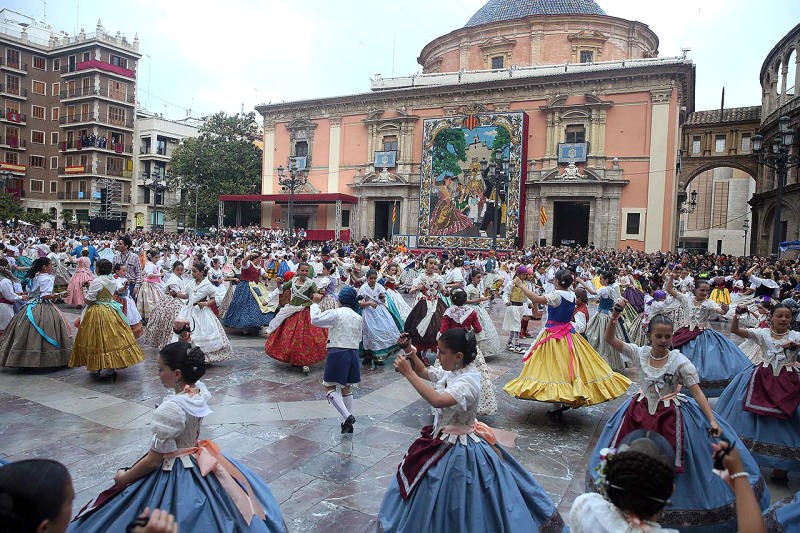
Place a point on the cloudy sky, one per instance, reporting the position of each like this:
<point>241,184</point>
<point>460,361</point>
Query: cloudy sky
<point>209,56</point>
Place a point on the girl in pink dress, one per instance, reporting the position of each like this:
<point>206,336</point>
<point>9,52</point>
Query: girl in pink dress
<point>80,279</point>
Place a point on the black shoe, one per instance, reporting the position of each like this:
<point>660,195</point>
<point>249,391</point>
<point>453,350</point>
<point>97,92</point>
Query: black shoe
<point>347,425</point>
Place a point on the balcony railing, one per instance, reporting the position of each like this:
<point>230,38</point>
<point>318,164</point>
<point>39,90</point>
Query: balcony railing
<point>85,196</point>
<point>16,91</point>
<point>78,118</point>
<point>101,170</point>
<point>16,65</point>
<point>100,65</point>
<point>15,116</point>
<point>90,92</point>
<point>93,143</point>
<point>13,142</point>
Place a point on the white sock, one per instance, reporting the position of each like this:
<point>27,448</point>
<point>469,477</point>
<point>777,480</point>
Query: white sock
<point>335,399</point>
<point>348,401</point>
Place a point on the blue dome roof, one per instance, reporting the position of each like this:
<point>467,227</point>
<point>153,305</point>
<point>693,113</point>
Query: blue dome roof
<point>499,10</point>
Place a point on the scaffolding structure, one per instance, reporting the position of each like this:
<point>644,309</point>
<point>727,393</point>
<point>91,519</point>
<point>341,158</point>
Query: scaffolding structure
<point>106,200</point>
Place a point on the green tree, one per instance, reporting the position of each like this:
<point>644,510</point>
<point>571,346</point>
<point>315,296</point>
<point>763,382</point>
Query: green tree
<point>501,141</point>
<point>222,160</point>
<point>449,147</point>
<point>10,208</point>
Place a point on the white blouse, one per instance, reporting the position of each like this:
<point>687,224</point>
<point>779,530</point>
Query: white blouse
<point>772,350</point>
<point>343,325</point>
<point>697,315</point>
<point>176,422</point>
<point>98,284</point>
<point>464,385</point>
<point>659,383</point>
<point>591,513</point>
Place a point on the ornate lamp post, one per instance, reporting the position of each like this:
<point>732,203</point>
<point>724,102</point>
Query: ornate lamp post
<point>496,174</point>
<point>690,206</point>
<point>155,185</point>
<point>295,179</point>
<point>745,227</point>
<point>780,160</point>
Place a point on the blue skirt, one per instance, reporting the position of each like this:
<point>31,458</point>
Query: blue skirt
<point>471,489</point>
<point>717,360</point>
<point>701,501</point>
<point>199,504</point>
<point>775,443</point>
<point>244,311</point>
<point>784,515</point>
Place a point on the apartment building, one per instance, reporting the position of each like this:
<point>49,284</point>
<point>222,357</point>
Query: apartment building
<point>67,127</point>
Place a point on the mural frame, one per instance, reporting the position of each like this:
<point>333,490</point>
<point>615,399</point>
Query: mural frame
<point>510,236</point>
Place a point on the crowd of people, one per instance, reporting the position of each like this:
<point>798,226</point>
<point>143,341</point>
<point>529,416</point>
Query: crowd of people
<point>664,457</point>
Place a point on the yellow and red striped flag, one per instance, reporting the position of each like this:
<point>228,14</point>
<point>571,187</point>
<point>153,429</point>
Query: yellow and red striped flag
<point>394,213</point>
<point>542,216</point>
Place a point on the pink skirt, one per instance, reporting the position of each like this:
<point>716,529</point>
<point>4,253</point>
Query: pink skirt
<point>75,287</point>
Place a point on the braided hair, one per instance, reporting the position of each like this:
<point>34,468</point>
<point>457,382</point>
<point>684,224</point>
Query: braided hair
<point>187,358</point>
<point>638,483</point>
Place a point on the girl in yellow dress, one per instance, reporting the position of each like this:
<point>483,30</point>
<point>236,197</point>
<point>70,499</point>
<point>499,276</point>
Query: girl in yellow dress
<point>561,367</point>
<point>104,340</point>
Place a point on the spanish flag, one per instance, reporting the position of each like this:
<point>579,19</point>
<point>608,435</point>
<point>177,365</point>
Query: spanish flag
<point>394,213</point>
<point>542,217</point>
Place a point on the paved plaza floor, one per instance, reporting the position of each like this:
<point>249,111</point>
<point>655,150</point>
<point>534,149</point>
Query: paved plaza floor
<point>277,421</point>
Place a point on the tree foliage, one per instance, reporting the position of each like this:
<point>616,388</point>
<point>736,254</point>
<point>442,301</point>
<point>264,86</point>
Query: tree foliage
<point>501,141</point>
<point>222,160</point>
<point>449,147</point>
<point>10,209</point>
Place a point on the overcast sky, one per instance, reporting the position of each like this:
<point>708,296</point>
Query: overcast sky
<point>209,56</point>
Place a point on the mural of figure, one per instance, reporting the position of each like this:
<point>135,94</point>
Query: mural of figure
<point>446,219</point>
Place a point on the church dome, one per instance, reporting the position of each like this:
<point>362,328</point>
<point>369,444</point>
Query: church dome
<point>500,10</point>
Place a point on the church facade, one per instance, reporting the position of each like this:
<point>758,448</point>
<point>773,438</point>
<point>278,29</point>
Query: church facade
<point>599,148</point>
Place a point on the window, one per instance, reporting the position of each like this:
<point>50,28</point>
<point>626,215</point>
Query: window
<point>117,90</point>
<point>38,62</point>
<point>12,157</point>
<point>116,115</point>
<point>346,218</point>
<point>12,58</point>
<point>301,148</point>
<point>498,62</point>
<point>161,146</point>
<point>53,187</point>
<point>56,65</point>
<point>632,223</point>
<point>37,185</point>
<point>55,113</point>
<point>54,138</point>
<point>53,164</point>
<point>746,143</point>
<point>696,144</point>
<point>12,84</point>
<point>114,166</point>
<point>146,195</point>
<point>55,89</point>
<point>36,161</point>
<point>71,63</point>
<point>389,143</point>
<point>587,56</point>
<point>719,144</point>
<point>87,56</point>
<point>39,87</point>
<point>37,137</point>
<point>37,112</point>
<point>576,133</point>
<point>118,61</point>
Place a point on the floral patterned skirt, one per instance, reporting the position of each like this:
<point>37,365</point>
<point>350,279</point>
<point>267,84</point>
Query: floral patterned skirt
<point>297,342</point>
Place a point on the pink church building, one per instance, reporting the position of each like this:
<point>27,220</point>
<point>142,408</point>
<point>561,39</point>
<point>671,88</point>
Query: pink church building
<point>598,155</point>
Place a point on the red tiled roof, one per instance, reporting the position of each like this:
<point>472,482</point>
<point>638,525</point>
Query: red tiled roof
<point>733,114</point>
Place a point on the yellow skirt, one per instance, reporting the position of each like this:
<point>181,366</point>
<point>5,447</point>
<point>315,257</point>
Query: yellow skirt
<point>104,341</point>
<point>546,376</point>
<point>596,282</point>
<point>721,296</point>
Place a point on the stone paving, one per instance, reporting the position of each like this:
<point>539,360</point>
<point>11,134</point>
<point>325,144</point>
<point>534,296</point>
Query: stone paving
<point>279,424</point>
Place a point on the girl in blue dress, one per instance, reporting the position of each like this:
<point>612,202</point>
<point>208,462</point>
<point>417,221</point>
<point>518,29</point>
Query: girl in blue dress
<point>763,401</point>
<point>456,477</point>
<point>190,478</point>
<point>701,500</point>
<point>715,357</point>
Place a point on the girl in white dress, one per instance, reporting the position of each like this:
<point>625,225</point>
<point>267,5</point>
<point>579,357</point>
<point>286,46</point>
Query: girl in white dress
<point>8,298</point>
<point>159,330</point>
<point>488,339</point>
<point>379,329</point>
<point>207,331</point>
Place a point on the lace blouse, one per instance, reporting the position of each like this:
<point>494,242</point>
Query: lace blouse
<point>176,422</point>
<point>772,350</point>
<point>464,385</point>
<point>660,384</point>
<point>697,315</point>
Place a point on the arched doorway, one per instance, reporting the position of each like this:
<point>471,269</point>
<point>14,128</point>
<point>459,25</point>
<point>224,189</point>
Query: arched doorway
<point>720,221</point>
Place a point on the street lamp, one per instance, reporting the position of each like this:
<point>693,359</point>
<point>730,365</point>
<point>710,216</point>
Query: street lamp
<point>745,227</point>
<point>295,179</point>
<point>497,175</point>
<point>692,204</point>
<point>780,160</point>
<point>155,186</point>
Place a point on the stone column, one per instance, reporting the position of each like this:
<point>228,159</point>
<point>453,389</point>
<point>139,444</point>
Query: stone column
<point>657,175</point>
<point>334,153</point>
<point>267,177</point>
